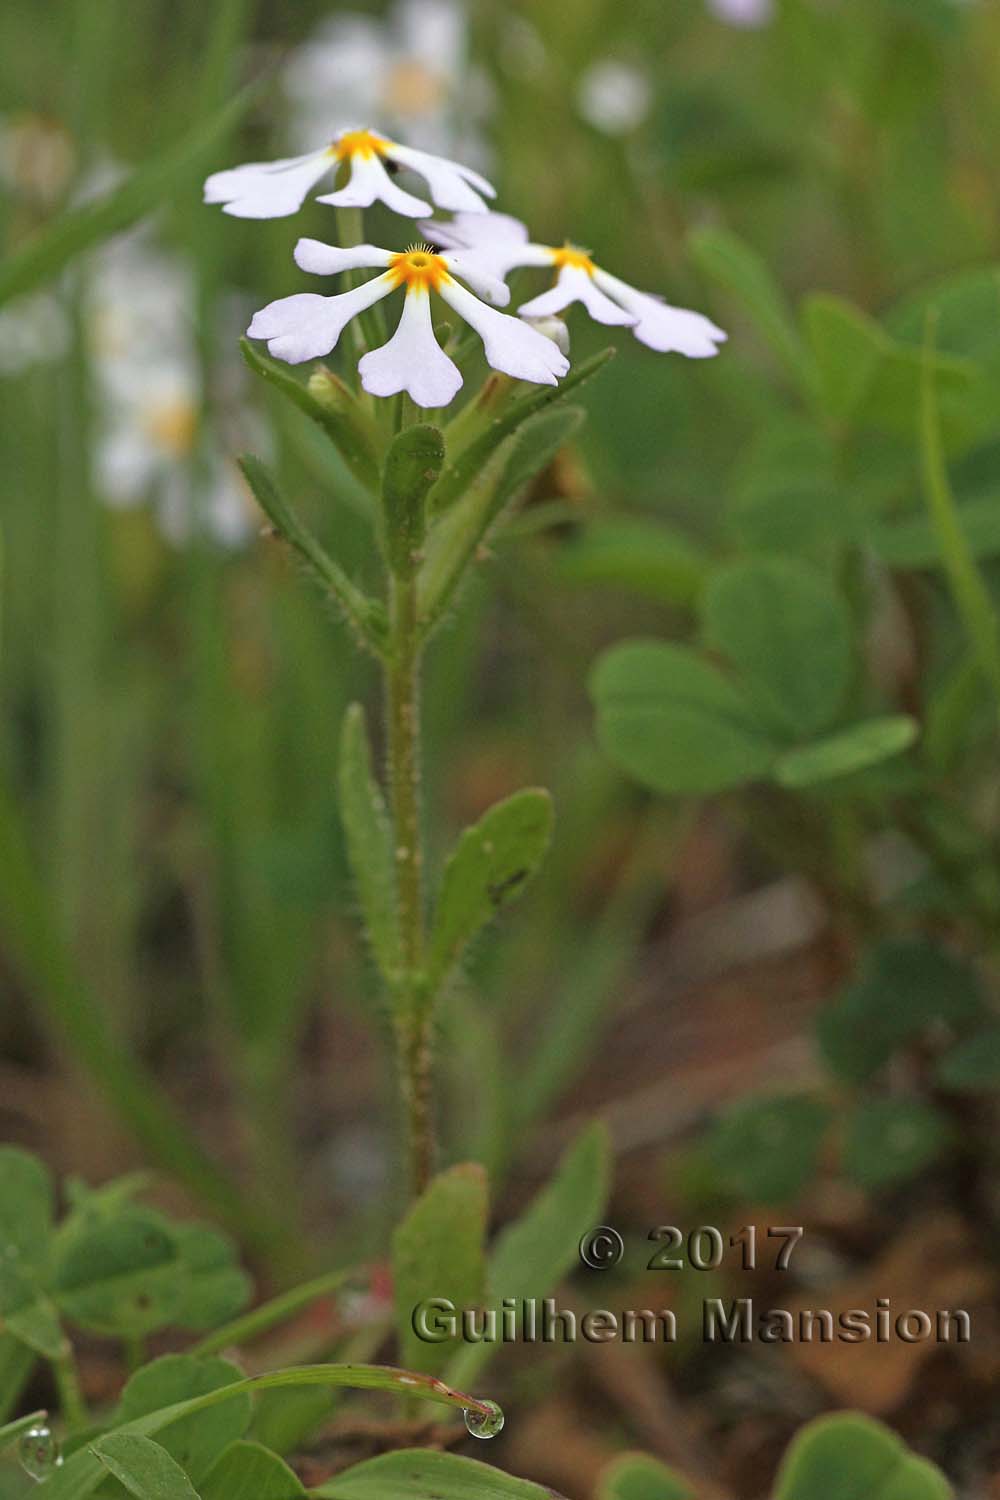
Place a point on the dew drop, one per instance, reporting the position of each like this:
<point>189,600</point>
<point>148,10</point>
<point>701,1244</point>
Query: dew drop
<point>484,1421</point>
<point>39,1452</point>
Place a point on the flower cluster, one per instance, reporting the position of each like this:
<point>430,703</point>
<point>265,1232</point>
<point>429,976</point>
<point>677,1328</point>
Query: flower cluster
<point>476,247</point>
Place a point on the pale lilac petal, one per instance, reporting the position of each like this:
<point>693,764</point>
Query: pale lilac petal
<point>370,181</point>
<point>493,244</point>
<point>328,260</point>
<point>743,12</point>
<point>271,191</point>
<point>448,182</point>
<point>483,283</point>
<point>662,327</point>
<point>511,346</point>
<point>412,360</point>
<point>576,285</point>
<point>307,326</point>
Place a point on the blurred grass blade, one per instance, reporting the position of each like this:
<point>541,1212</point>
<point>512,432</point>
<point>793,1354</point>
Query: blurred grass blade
<point>968,587</point>
<point>83,1471</point>
<point>39,953</point>
<point>261,1319</point>
<point>52,249</point>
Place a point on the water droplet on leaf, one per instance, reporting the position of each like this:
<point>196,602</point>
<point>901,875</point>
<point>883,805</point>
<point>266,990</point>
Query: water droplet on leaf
<point>484,1420</point>
<point>39,1452</point>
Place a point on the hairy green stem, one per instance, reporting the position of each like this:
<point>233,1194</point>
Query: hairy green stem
<point>412,1024</point>
<point>71,1403</point>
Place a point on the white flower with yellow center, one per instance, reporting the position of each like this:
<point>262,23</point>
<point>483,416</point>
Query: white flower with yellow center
<point>274,189</point>
<point>408,67</point>
<point>496,244</point>
<point>307,326</point>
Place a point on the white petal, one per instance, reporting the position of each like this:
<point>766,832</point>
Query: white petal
<point>370,181</point>
<point>483,283</point>
<point>327,260</point>
<point>495,249</point>
<point>307,326</point>
<point>469,231</point>
<point>575,285</point>
<point>662,327</point>
<point>412,360</point>
<point>268,190</point>
<point>449,183</point>
<point>511,346</point>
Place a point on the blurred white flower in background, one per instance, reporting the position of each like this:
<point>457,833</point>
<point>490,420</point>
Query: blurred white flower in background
<point>410,70</point>
<point>148,395</point>
<point>37,157</point>
<point>33,331</point>
<point>613,96</point>
<point>742,12</point>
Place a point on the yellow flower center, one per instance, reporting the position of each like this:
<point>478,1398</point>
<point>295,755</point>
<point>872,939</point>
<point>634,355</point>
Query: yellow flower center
<point>419,269</point>
<point>569,255</point>
<point>358,143</point>
<point>172,426</point>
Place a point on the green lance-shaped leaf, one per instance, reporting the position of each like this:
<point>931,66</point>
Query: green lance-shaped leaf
<point>422,1474</point>
<point>745,274</point>
<point>489,867</point>
<point>636,1476</point>
<point>533,1254</point>
<point>465,463</point>
<point>143,1467</point>
<point>438,1251</point>
<point>851,750</point>
<point>674,722</point>
<point>249,1471</point>
<point>788,633</point>
<point>328,402</point>
<point>365,615</point>
<point>83,1471</point>
<point>413,464</point>
<point>53,247</point>
<point>848,1456</point>
<point>369,843</point>
<point>455,539</point>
